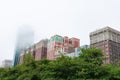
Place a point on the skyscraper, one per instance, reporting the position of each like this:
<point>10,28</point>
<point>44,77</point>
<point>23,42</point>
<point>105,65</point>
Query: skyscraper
<point>38,50</point>
<point>25,39</point>
<point>108,40</point>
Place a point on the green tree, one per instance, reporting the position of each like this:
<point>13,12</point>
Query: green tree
<point>91,64</point>
<point>87,66</point>
<point>28,59</point>
<point>92,55</point>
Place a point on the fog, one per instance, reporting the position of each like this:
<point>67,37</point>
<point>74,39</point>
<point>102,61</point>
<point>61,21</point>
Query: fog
<point>72,18</point>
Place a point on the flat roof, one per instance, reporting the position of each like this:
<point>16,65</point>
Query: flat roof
<point>103,29</point>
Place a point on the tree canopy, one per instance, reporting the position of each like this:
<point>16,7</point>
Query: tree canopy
<point>88,65</point>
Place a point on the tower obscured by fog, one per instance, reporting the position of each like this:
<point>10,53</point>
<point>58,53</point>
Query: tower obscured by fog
<point>25,38</point>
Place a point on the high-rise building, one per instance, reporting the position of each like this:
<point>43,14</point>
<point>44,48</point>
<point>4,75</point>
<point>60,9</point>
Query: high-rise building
<point>108,40</point>
<point>25,39</point>
<point>38,50</point>
<point>41,50</point>
<point>7,63</point>
<point>52,48</point>
<point>58,45</point>
<point>55,43</point>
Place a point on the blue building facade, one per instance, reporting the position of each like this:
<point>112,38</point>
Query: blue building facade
<point>25,39</point>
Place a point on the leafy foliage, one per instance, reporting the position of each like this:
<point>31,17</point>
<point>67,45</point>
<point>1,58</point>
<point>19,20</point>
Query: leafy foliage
<point>87,66</point>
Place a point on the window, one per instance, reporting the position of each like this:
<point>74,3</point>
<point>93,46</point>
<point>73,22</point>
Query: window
<point>70,42</point>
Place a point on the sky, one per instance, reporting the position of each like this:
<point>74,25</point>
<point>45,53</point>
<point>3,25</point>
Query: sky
<point>72,18</point>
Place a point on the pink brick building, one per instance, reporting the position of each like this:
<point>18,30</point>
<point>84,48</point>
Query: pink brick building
<point>58,45</point>
<point>52,48</point>
<point>39,51</point>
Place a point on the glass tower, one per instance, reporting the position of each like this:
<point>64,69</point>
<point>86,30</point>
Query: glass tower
<point>25,39</point>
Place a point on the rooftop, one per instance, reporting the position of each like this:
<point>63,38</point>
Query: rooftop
<point>104,29</point>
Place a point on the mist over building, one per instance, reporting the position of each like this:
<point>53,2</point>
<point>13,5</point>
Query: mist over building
<point>25,38</point>
<point>52,48</point>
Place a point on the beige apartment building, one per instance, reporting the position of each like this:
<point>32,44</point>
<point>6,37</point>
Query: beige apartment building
<point>108,40</point>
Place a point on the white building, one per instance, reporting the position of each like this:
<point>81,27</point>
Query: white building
<point>7,63</point>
